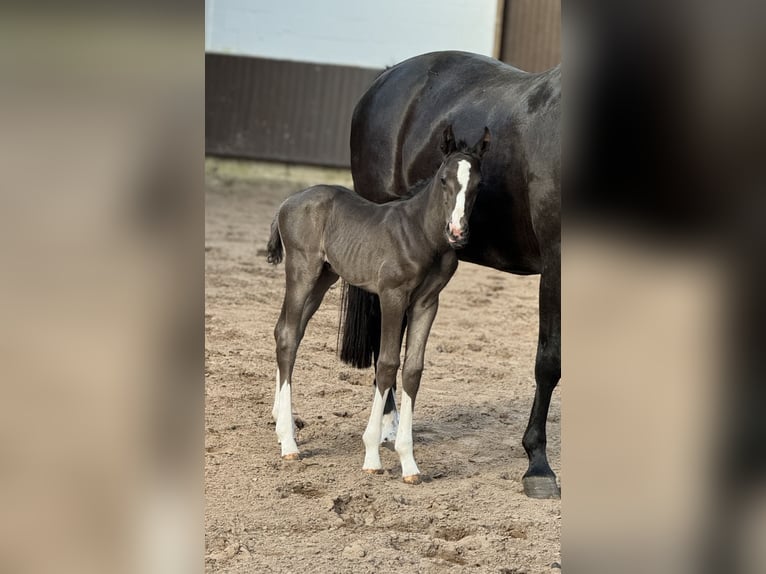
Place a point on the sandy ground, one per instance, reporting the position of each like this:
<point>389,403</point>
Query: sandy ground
<point>323,514</point>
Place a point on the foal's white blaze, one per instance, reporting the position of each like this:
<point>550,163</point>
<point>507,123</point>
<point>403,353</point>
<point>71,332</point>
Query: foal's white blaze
<point>285,432</point>
<point>463,175</point>
<point>404,438</point>
<point>371,436</point>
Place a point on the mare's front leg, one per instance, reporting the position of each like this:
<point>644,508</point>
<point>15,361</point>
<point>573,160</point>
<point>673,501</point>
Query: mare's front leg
<point>392,306</point>
<point>540,481</point>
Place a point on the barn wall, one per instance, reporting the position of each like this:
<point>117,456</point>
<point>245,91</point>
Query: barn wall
<point>258,107</point>
<point>532,34</point>
<point>292,112</point>
<point>359,33</point>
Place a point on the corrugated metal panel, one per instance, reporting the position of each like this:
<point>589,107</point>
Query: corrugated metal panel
<point>532,34</point>
<point>283,111</point>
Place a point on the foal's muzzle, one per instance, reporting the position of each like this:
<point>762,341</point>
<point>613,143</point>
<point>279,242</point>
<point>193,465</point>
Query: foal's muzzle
<point>456,236</point>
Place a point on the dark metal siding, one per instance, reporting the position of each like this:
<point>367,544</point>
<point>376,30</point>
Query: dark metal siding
<point>282,111</point>
<point>531,34</point>
<point>299,112</point>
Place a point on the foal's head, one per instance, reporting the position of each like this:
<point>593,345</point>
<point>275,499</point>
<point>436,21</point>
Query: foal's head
<point>459,177</point>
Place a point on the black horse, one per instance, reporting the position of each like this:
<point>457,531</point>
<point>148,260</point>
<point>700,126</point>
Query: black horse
<point>403,251</point>
<point>516,220</point>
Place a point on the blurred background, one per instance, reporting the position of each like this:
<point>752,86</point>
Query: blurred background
<point>663,427</point>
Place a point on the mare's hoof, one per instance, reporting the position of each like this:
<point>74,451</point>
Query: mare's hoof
<point>541,487</point>
<point>291,456</point>
<point>412,479</point>
<point>373,470</point>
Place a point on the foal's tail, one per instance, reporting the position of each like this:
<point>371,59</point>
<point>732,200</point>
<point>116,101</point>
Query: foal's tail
<point>359,330</point>
<point>274,247</point>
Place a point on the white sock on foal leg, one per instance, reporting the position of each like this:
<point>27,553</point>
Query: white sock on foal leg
<point>410,472</point>
<point>371,436</point>
<point>285,431</point>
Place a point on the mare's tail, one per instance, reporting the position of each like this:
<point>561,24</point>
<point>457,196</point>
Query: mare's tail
<point>274,247</point>
<point>359,329</point>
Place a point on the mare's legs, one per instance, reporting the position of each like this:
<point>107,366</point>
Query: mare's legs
<point>421,317</point>
<point>539,481</point>
<point>303,273</point>
<point>392,306</point>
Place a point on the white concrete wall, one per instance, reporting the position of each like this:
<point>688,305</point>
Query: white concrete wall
<point>365,33</point>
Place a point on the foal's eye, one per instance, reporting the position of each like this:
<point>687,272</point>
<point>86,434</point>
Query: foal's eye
<point>443,179</point>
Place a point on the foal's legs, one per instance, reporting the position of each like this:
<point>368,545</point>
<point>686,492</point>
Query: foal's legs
<point>540,481</point>
<point>326,280</point>
<point>421,317</point>
<point>392,306</point>
<point>302,277</point>
<point>390,414</point>
<point>390,420</point>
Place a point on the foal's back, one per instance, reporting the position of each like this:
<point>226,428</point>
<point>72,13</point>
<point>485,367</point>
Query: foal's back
<point>305,217</point>
<point>356,237</point>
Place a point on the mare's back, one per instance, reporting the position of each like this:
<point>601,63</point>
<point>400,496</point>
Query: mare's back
<point>397,124</point>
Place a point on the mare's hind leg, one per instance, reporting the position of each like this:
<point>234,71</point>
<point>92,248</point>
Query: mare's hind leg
<point>302,275</point>
<point>540,481</point>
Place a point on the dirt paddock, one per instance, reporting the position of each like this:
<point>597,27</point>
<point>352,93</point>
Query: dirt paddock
<point>322,513</point>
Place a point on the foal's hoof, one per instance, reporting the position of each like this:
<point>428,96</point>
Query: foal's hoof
<point>373,470</point>
<point>412,479</point>
<point>291,456</point>
<point>541,487</point>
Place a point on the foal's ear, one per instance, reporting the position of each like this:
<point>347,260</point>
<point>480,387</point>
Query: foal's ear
<point>483,144</point>
<point>448,141</point>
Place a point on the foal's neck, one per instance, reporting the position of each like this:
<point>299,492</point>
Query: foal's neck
<point>427,210</point>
